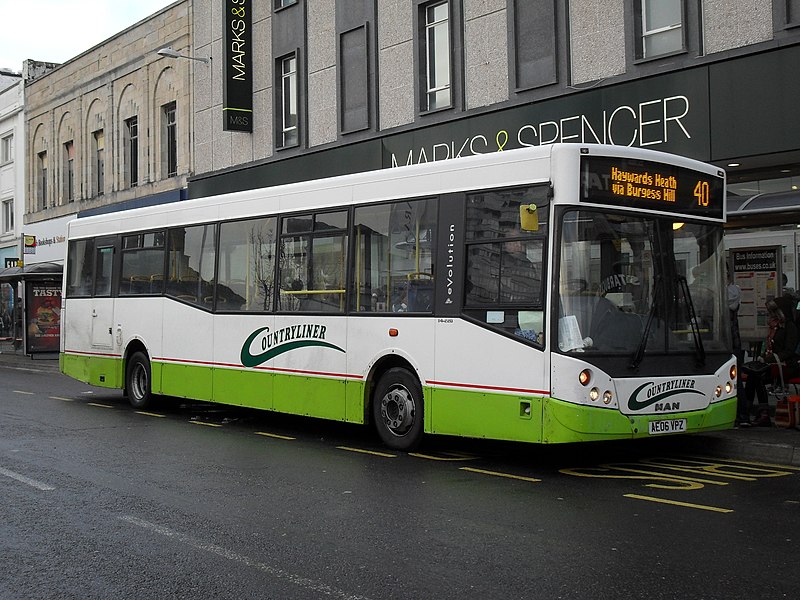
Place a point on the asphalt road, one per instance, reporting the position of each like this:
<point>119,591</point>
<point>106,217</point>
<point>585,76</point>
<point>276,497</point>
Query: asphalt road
<point>196,501</point>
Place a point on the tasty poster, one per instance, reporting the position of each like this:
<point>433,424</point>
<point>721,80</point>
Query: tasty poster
<point>43,313</point>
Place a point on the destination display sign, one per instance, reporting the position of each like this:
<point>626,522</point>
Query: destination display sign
<point>652,185</point>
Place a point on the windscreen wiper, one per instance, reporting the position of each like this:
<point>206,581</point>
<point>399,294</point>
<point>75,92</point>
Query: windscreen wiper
<point>636,360</point>
<point>683,285</point>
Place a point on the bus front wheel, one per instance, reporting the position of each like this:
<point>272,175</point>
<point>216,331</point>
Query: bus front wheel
<point>137,381</point>
<point>397,409</point>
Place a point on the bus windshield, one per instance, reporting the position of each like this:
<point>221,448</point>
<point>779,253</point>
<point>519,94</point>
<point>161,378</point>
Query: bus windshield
<point>640,285</point>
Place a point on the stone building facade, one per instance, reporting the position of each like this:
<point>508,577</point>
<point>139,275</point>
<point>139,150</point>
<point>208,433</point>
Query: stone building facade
<point>362,78</point>
<point>114,125</point>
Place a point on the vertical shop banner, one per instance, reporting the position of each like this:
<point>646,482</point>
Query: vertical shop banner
<point>42,316</point>
<point>237,102</point>
<point>756,272</point>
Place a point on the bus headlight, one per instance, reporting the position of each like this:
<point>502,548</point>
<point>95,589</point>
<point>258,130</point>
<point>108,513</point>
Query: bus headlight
<point>733,372</point>
<point>607,397</point>
<point>728,387</point>
<point>718,391</point>
<point>585,377</point>
<point>594,394</point>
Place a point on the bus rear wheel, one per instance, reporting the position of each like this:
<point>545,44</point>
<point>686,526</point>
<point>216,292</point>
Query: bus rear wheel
<point>397,409</point>
<point>137,381</point>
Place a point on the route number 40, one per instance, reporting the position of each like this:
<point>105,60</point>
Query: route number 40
<point>701,192</point>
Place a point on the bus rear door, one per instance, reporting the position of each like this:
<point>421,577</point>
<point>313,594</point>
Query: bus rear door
<point>103,302</point>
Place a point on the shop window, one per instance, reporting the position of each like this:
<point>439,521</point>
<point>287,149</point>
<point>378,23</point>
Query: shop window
<point>660,27</point>
<point>793,12</point>
<point>41,180</point>
<point>437,44</point>
<point>534,45</point>
<point>131,152</point>
<point>6,149</point>
<point>246,269</point>
<point>313,259</point>
<point>354,79</point>
<point>7,223</point>
<point>68,174</point>
<point>287,104</point>
<point>169,140</point>
<point>394,257</point>
<point>99,162</point>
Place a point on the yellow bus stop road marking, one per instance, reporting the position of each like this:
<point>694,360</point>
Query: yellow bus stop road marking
<point>448,456</point>
<point>372,452</point>
<point>99,405</point>
<point>205,423</point>
<point>60,398</point>
<point>149,414</point>
<point>677,503</point>
<point>275,435</point>
<point>498,474</point>
<point>21,392</point>
<point>736,461</point>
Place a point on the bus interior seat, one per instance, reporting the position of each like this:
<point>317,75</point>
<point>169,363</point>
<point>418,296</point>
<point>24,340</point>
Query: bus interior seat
<point>420,295</point>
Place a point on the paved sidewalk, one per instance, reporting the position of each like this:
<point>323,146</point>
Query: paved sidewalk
<point>764,444</point>
<point>767,444</point>
<point>41,362</point>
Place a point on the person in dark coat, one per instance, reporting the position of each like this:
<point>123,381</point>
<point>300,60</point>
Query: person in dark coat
<point>781,345</point>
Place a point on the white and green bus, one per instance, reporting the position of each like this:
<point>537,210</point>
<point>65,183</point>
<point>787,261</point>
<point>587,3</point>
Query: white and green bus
<point>553,294</point>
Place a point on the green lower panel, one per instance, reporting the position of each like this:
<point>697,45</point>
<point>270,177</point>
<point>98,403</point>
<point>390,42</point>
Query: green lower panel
<point>564,422</point>
<point>95,370</point>
<point>482,415</point>
<point>355,403</point>
<point>311,396</point>
<point>186,381</point>
<point>243,388</point>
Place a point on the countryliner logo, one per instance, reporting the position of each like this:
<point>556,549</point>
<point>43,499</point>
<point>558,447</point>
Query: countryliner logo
<point>651,393</point>
<point>283,340</point>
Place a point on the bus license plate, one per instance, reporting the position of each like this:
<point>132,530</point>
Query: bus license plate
<point>668,426</point>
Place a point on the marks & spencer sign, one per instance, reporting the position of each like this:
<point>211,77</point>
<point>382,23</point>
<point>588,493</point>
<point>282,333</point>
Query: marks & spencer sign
<point>237,101</point>
<point>668,113</point>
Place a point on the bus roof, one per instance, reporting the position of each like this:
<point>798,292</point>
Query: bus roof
<point>500,169</point>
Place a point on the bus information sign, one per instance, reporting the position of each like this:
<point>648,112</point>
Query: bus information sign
<point>651,185</point>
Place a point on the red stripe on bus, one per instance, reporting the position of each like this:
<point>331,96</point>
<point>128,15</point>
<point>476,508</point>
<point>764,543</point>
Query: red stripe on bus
<point>276,369</point>
<point>81,353</point>
<point>488,387</point>
<point>279,370</point>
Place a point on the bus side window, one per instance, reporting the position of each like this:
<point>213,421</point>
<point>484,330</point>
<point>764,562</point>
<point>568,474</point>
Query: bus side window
<point>79,268</point>
<point>505,264</point>
<point>190,269</point>
<point>394,257</point>
<point>104,261</point>
<point>246,271</point>
<point>313,262</point>
<point>142,264</point>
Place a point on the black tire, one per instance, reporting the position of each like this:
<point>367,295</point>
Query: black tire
<point>137,381</point>
<point>397,409</point>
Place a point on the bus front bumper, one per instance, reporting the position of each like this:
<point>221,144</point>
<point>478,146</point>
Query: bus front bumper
<point>564,422</point>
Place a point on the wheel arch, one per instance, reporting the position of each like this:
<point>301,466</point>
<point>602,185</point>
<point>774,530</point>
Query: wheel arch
<point>134,346</point>
<point>376,371</point>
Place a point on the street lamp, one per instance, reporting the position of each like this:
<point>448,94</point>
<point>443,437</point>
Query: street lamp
<point>170,53</point>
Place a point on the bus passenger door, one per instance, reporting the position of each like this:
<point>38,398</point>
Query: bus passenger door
<point>102,302</point>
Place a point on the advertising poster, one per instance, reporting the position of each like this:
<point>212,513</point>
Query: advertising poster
<point>43,316</point>
<point>756,271</point>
